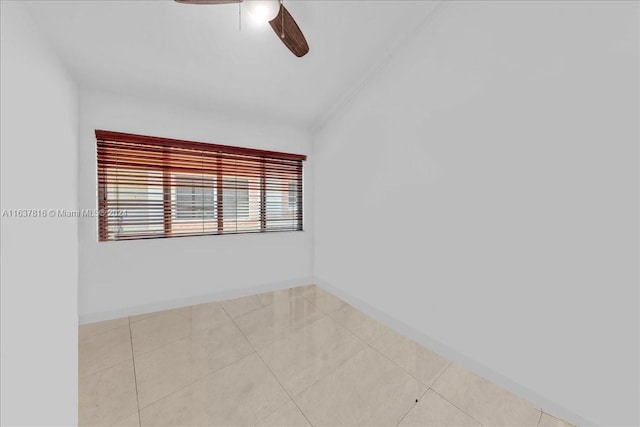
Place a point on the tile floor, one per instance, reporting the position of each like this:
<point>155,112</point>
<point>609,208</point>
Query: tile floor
<point>296,357</point>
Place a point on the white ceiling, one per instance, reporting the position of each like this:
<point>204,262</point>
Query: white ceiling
<point>196,53</point>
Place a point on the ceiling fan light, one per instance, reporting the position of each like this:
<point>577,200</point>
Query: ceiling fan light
<point>262,11</point>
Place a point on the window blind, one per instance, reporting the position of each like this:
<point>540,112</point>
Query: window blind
<point>150,187</point>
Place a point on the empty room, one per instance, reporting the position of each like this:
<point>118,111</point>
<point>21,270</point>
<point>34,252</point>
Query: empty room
<point>320,213</point>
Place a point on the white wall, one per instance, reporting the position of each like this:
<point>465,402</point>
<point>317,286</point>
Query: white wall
<point>483,188</point>
<point>118,278</point>
<point>38,152</point>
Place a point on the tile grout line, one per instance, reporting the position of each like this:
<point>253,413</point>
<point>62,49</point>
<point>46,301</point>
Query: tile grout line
<point>231,320</point>
<point>304,295</point>
<point>424,393</point>
<point>271,413</point>
<point>158,313</point>
<point>143,353</point>
<point>320,379</point>
<point>451,403</point>
<point>399,366</point>
<point>457,407</point>
<point>348,359</point>
<point>410,409</point>
<point>429,387</point>
<point>114,364</point>
<point>101,370</point>
<point>163,345</point>
<point>135,377</point>
<point>209,374</point>
<point>373,348</point>
<point>367,344</point>
<point>417,401</point>
<point>440,374</point>
<point>262,305</point>
<point>196,381</point>
<point>370,344</point>
<point>324,314</point>
<point>270,371</point>
<point>328,315</point>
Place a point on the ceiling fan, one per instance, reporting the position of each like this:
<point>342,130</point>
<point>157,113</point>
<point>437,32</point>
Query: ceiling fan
<point>278,17</point>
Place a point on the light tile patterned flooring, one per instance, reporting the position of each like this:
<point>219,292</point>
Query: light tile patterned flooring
<point>296,357</point>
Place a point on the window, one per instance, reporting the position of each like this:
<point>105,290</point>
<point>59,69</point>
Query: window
<point>194,203</point>
<point>293,195</point>
<point>235,198</point>
<point>152,187</point>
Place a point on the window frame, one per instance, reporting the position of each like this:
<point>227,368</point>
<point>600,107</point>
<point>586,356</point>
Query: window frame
<point>262,163</point>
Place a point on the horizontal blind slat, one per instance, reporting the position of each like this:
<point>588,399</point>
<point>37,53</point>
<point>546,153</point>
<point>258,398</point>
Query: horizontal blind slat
<point>158,187</point>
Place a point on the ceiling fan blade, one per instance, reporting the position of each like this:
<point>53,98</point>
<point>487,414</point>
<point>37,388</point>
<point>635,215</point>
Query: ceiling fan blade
<point>293,37</point>
<point>208,1</point>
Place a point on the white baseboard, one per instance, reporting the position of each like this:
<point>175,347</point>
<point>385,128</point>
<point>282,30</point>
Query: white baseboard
<point>198,299</point>
<point>453,355</point>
